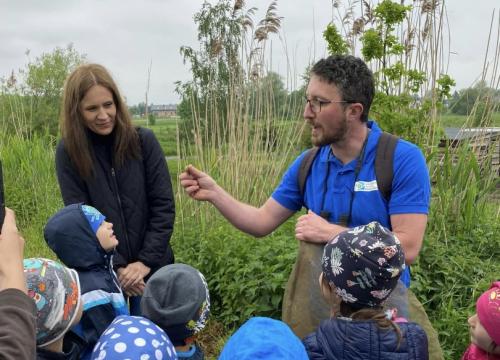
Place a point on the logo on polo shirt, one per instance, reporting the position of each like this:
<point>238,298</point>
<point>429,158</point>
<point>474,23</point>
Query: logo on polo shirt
<point>366,186</point>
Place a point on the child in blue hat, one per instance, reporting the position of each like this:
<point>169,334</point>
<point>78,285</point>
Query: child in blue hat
<point>263,338</point>
<point>82,239</point>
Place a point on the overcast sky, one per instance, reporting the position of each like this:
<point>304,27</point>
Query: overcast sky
<point>126,35</point>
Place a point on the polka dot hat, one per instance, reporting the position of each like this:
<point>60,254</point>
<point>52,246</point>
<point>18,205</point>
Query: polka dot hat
<point>133,337</point>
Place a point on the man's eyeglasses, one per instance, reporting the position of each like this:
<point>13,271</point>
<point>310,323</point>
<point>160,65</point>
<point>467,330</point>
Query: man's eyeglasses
<point>317,104</point>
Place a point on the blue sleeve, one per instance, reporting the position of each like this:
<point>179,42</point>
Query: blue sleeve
<point>314,352</point>
<point>287,194</point>
<point>411,189</point>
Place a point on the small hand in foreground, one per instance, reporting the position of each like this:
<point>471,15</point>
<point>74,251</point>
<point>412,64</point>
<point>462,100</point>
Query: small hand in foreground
<point>135,290</point>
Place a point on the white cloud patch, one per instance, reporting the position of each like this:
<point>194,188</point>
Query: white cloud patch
<point>125,35</point>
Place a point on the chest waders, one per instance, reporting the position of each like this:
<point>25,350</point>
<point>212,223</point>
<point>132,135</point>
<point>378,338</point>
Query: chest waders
<point>303,304</point>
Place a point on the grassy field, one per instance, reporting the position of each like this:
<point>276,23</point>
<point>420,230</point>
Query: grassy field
<point>166,132</point>
<point>452,120</point>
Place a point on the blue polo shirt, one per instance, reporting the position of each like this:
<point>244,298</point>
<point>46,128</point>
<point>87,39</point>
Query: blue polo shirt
<point>332,183</point>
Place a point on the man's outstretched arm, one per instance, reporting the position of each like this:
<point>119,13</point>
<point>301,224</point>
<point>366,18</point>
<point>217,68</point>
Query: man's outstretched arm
<point>247,218</point>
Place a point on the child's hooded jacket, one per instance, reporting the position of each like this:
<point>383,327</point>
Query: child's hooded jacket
<point>342,339</point>
<point>69,235</point>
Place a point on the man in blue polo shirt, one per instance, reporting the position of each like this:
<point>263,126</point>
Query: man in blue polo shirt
<point>341,190</point>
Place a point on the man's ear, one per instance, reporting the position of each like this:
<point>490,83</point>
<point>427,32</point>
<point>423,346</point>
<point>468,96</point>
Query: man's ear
<point>354,111</point>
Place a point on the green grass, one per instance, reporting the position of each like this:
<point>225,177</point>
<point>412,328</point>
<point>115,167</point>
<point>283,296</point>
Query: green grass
<point>452,120</point>
<point>166,132</point>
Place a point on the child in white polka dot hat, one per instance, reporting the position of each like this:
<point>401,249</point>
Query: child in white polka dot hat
<point>133,337</point>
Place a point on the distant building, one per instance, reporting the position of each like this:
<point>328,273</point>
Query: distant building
<point>163,110</point>
<point>483,141</point>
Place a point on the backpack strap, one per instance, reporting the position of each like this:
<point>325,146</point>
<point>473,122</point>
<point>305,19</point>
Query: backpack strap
<point>305,167</point>
<point>384,159</point>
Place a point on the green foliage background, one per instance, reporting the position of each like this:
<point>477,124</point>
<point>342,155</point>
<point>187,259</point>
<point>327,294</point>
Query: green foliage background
<point>247,276</point>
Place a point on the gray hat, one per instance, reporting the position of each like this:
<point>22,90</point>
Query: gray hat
<point>176,298</point>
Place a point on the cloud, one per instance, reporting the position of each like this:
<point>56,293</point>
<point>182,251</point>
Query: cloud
<point>126,35</point>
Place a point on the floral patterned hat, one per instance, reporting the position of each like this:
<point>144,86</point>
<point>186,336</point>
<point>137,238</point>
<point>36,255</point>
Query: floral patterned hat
<point>364,264</point>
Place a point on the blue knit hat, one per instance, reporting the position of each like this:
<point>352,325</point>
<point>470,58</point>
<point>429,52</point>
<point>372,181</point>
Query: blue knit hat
<point>364,264</point>
<point>93,216</point>
<point>264,338</point>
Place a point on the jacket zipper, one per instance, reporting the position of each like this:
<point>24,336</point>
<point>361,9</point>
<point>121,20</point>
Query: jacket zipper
<point>115,185</point>
<point>114,276</point>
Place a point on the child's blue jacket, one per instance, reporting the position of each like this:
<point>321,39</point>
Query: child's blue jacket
<point>342,339</point>
<point>70,236</point>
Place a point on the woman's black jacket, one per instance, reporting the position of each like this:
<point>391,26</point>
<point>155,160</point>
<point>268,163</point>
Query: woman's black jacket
<point>136,197</point>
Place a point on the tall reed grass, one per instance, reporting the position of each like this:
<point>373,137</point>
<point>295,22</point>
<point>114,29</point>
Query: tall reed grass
<point>31,188</point>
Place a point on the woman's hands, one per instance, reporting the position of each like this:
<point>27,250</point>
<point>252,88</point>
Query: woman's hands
<point>131,278</point>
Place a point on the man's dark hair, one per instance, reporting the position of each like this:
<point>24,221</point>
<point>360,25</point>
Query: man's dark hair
<point>351,76</point>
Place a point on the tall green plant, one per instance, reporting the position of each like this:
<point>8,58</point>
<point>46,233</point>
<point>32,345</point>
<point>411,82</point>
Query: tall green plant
<point>30,101</point>
<point>399,43</point>
<point>230,59</point>
<point>31,188</point>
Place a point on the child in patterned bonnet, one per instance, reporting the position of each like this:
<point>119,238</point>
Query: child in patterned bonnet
<point>361,267</point>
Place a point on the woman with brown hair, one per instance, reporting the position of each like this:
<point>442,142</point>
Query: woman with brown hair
<point>103,161</point>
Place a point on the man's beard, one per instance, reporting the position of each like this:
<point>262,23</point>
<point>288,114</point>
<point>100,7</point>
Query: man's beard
<point>331,138</point>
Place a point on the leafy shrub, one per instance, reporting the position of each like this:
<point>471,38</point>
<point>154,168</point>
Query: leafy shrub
<point>246,276</point>
<point>449,276</point>
<point>152,119</point>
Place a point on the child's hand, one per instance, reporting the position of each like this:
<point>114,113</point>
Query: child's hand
<point>11,255</point>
